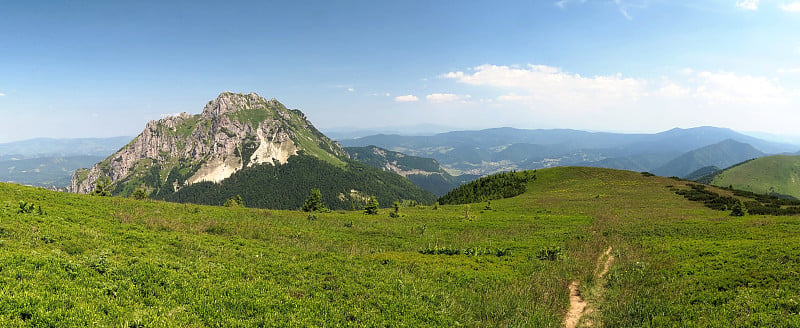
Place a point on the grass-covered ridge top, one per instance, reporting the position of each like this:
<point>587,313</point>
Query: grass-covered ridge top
<point>775,175</point>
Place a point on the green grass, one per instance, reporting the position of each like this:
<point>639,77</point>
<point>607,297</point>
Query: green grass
<point>252,116</point>
<point>112,261</point>
<point>680,264</point>
<point>119,262</point>
<point>779,174</point>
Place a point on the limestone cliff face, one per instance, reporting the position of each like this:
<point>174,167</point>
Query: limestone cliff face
<point>232,132</point>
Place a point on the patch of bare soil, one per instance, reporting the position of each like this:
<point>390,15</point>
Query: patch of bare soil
<point>577,304</point>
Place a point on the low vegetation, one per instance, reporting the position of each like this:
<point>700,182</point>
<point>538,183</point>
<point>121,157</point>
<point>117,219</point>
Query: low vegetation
<point>109,261</point>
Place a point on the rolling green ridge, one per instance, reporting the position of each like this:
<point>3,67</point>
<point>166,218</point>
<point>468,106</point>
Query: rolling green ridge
<point>722,154</point>
<point>108,261</point>
<point>699,174</point>
<point>779,174</point>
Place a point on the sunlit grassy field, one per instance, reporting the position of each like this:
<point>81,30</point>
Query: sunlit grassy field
<point>102,261</point>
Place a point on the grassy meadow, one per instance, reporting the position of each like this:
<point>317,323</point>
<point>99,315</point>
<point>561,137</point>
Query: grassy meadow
<point>116,262</point>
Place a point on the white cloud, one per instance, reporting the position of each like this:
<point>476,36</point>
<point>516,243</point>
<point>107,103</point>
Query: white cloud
<point>793,70</point>
<point>351,89</point>
<point>748,4</point>
<point>2,94</point>
<point>438,98</point>
<point>406,98</point>
<point>670,89</point>
<point>551,84</point>
<point>729,88</point>
<point>791,6</point>
<point>545,96</point>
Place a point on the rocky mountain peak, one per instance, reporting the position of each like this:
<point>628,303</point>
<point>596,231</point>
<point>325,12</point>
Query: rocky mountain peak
<point>233,132</point>
<point>229,102</point>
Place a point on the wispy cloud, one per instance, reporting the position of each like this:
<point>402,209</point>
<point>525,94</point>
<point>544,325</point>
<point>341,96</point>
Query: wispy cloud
<point>791,6</point>
<point>551,84</point>
<point>439,98</point>
<point>688,97</point>
<point>793,70</point>
<point>406,98</point>
<point>719,88</point>
<point>748,4</point>
<point>623,6</point>
<point>2,94</point>
<point>351,89</point>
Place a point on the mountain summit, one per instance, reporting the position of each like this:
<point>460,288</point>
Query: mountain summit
<point>233,131</point>
<point>192,158</point>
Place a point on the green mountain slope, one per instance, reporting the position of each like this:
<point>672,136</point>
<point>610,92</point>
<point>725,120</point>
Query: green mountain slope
<point>286,186</point>
<point>778,174</point>
<point>423,172</point>
<point>700,174</point>
<point>722,154</point>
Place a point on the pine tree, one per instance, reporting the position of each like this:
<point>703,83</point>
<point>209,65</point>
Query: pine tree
<point>314,202</point>
<point>738,209</point>
<point>372,206</point>
<point>103,186</point>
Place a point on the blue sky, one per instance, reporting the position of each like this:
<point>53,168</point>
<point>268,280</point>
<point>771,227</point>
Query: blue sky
<point>105,68</point>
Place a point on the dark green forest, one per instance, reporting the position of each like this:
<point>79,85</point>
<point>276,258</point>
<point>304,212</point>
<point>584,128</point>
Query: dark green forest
<point>496,186</point>
<point>287,186</point>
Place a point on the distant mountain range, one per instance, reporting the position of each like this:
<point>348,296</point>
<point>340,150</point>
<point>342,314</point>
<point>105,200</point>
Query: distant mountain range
<point>494,150</point>
<point>49,147</point>
<point>47,162</point>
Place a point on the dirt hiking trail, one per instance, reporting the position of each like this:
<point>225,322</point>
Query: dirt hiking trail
<point>577,305</point>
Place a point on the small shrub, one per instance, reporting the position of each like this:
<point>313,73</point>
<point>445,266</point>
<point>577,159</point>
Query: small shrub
<point>29,208</point>
<point>140,194</point>
<point>436,250</point>
<point>234,202</point>
<point>312,217</point>
<point>396,213</point>
<point>99,263</point>
<point>550,254</point>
